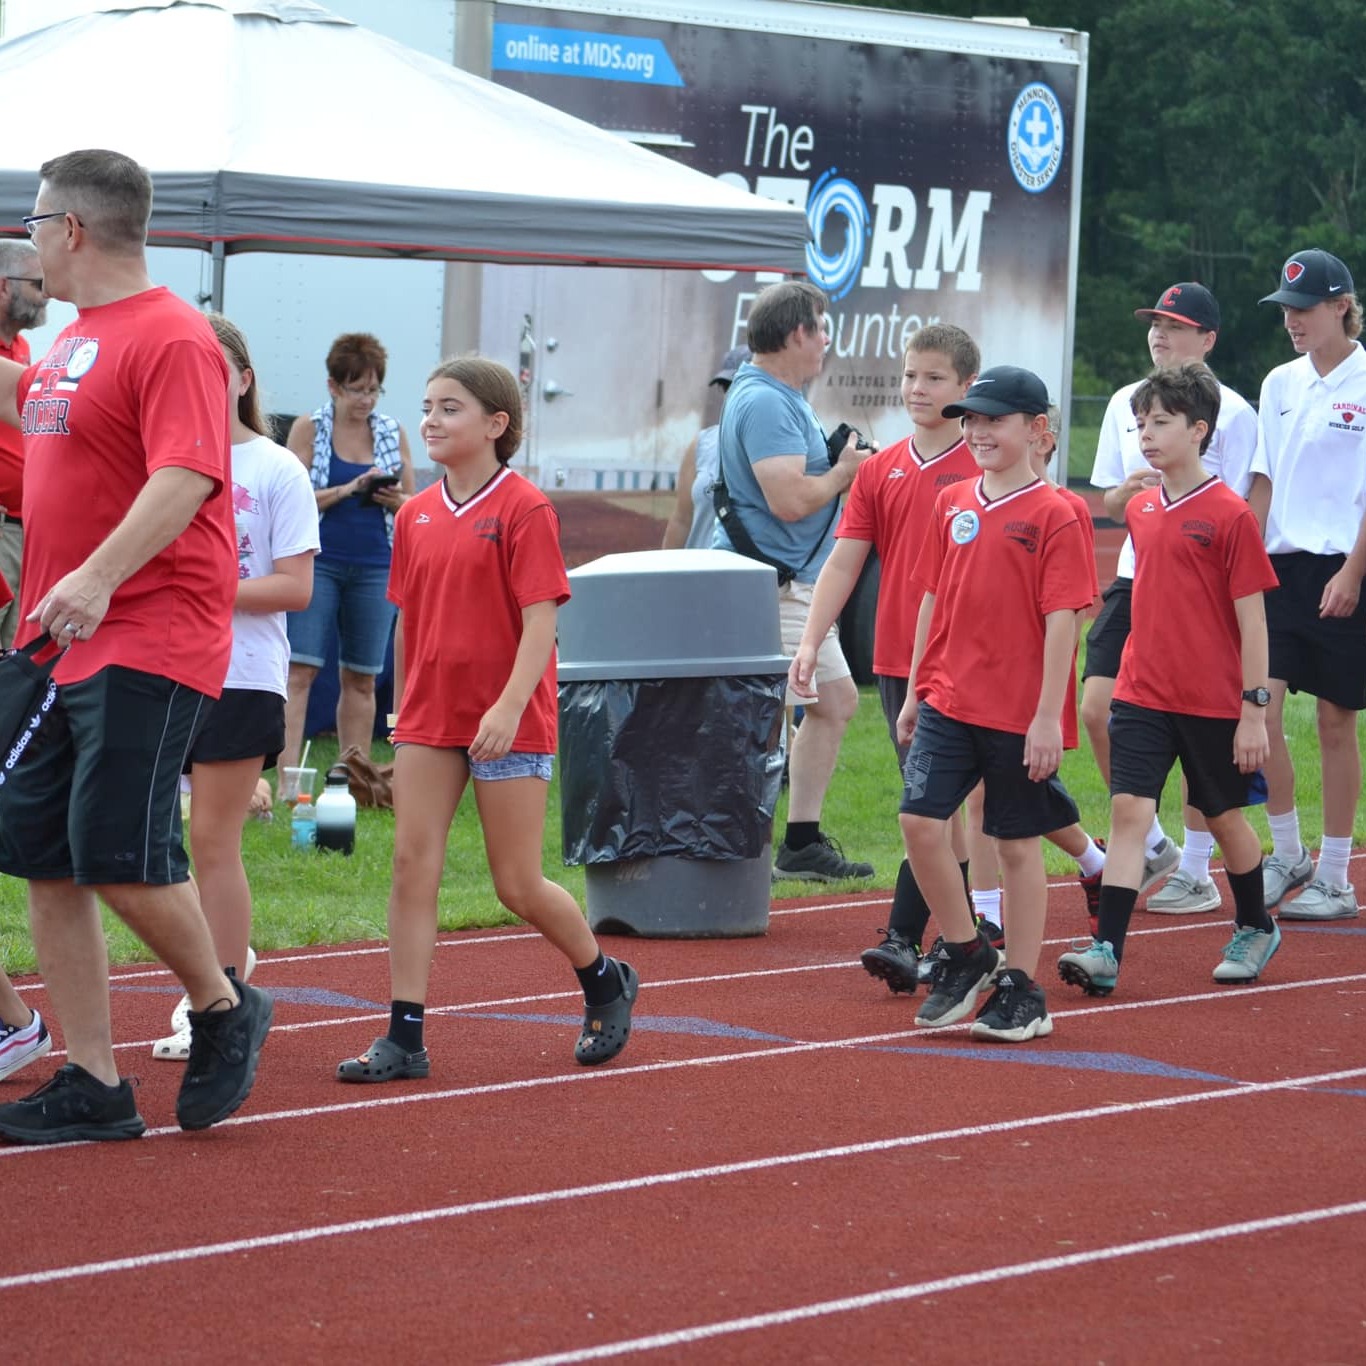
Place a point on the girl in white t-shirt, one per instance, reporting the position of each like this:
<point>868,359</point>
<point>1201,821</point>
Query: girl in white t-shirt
<point>277,538</point>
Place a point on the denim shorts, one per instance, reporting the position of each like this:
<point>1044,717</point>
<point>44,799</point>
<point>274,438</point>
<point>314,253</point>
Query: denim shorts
<point>350,599</point>
<point>512,765</point>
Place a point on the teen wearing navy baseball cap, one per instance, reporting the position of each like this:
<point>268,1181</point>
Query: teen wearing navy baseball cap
<point>1003,389</point>
<point>1310,277</point>
<point>1189,303</point>
<point>1309,490</point>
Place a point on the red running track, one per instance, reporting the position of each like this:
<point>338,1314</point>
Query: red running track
<point>779,1168</point>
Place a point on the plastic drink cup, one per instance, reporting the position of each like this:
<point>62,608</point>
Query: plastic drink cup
<point>294,781</point>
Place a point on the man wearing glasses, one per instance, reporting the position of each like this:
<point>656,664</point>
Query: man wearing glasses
<point>23,305</point>
<point>130,564</point>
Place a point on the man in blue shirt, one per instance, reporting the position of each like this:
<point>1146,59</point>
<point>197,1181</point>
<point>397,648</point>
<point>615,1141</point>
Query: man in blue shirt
<point>784,491</point>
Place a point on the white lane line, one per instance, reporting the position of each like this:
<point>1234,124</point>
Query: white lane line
<point>773,1162</point>
<point>585,1077</point>
<point>965,1281</point>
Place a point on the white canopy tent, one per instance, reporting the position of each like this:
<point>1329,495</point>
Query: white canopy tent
<point>274,125</point>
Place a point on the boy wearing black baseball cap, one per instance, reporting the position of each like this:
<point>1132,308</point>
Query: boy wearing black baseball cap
<point>1004,571</point>
<point>1309,493</point>
<point>1182,326</point>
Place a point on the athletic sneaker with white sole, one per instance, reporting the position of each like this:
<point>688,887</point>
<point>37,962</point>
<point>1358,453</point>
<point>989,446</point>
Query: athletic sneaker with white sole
<point>21,1045</point>
<point>1185,895</point>
<point>1015,1011</point>
<point>1320,901</point>
<point>1159,863</point>
<point>1247,953</point>
<point>1280,877</point>
<point>175,1047</point>
<point>959,975</point>
<point>1090,966</point>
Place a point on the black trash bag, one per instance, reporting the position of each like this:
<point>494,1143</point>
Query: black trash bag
<point>682,767</point>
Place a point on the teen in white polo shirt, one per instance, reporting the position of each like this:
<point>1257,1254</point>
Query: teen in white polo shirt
<point>1309,492</point>
<point>1183,325</point>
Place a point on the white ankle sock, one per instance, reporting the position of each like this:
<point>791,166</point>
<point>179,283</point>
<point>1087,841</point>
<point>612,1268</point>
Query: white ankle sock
<point>1092,859</point>
<point>1195,854</point>
<point>1285,835</point>
<point>1156,834</point>
<point>988,905</point>
<point>1333,856</point>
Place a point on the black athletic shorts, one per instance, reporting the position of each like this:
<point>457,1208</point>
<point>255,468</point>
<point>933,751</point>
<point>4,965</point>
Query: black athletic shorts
<point>96,795</point>
<point>245,723</point>
<point>949,758</point>
<point>892,692</point>
<point>1144,744</point>
<point>1323,656</point>
<point>1109,631</point>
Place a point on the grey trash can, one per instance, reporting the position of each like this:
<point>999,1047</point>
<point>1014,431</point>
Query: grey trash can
<point>671,689</point>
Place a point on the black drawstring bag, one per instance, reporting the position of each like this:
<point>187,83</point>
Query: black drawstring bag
<point>27,693</point>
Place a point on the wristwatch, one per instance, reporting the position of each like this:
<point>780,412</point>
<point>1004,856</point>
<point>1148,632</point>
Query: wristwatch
<point>1261,696</point>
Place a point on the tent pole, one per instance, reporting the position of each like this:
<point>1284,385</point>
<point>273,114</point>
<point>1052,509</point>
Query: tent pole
<point>216,288</point>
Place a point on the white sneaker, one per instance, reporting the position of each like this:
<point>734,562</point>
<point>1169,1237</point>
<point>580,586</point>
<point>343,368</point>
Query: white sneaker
<point>1163,860</point>
<point>1247,953</point>
<point>1280,877</point>
<point>175,1047</point>
<point>1320,901</point>
<point>1185,895</point>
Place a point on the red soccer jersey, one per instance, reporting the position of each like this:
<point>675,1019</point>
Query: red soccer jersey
<point>461,575</point>
<point>11,443</point>
<point>996,568</point>
<point>1195,557</point>
<point>1078,505</point>
<point>891,504</point>
<point>129,388</point>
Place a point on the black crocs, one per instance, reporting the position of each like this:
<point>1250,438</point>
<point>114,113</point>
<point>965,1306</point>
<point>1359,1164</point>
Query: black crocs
<point>606,1028</point>
<point>385,1061</point>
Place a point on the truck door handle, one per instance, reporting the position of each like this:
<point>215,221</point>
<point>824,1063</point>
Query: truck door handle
<point>553,390</point>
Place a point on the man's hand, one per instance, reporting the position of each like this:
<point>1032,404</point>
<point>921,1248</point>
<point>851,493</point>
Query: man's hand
<point>801,674</point>
<point>74,606</point>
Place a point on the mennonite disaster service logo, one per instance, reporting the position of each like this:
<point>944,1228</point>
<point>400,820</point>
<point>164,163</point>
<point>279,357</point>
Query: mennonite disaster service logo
<point>1034,137</point>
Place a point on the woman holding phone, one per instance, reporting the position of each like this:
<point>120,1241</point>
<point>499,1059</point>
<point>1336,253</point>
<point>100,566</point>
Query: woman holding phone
<point>362,473</point>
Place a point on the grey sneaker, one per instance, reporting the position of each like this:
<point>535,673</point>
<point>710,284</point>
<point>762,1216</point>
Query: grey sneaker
<point>1162,862</point>
<point>1185,895</point>
<point>1280,877</point>
<point>1247,953</point>
<point>822,861</point>
<point>1320,901</point>
<point>1090,966</point>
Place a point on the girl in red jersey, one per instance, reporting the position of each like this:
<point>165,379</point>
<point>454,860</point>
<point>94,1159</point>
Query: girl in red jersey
<point>477,577</point>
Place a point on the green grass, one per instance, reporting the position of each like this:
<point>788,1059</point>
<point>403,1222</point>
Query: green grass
<point>310,898</point>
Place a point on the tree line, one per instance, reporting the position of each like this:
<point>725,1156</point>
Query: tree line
<point>1221,135</point>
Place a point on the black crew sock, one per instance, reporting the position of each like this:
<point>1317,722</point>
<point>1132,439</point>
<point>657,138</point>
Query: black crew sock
<point>1116,909</point>
<point>1249,907</point>
<point>967,881</point>
<point>801,833</point>
<point>910,915</point>
<point>600,982</point>
<point>405,1025</point>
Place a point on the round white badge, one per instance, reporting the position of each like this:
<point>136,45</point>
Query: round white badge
<point>964,527</point>
<point>82,358</point>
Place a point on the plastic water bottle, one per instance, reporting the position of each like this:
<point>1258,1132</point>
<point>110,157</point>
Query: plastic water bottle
<point>337,812</point>
<point>303,826</point>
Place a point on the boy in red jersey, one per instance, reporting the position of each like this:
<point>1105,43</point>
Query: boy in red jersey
<point>890,505</point>
<point>1004,573</point>
<point>1201,571</point>
<point>477,577</point>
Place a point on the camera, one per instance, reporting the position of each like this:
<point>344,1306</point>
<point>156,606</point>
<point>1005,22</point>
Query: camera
<point>839,439</point>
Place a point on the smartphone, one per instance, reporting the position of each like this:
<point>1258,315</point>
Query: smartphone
<point>377,481</point>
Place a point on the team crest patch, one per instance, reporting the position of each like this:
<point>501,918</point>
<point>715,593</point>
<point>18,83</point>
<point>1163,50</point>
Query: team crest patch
<point>82,359</point>
<point>1293,271</point>
<point>1348,417</point>
<point>964,527</point>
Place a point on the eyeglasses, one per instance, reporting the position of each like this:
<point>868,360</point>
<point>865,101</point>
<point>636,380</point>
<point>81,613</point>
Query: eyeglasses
<point>355,391</point>
<point>35,280</point>
<point>32,220</point>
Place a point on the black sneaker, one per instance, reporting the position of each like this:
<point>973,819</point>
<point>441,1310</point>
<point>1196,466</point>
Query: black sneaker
<point>995,935</point>
<point>958,976</point>
<point>925,968</point>
<point>73,1105</point>
<point>821,861</point>
<point>224,1047</point>
<point>1014,1012</point>
<point>895,962</point>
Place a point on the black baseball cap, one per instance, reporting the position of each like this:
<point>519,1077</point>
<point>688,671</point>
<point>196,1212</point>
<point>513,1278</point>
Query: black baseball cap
<point>1188,303</point>
<point>730,363</point>
<point>1003,389</point>
<point>1310,277</point>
